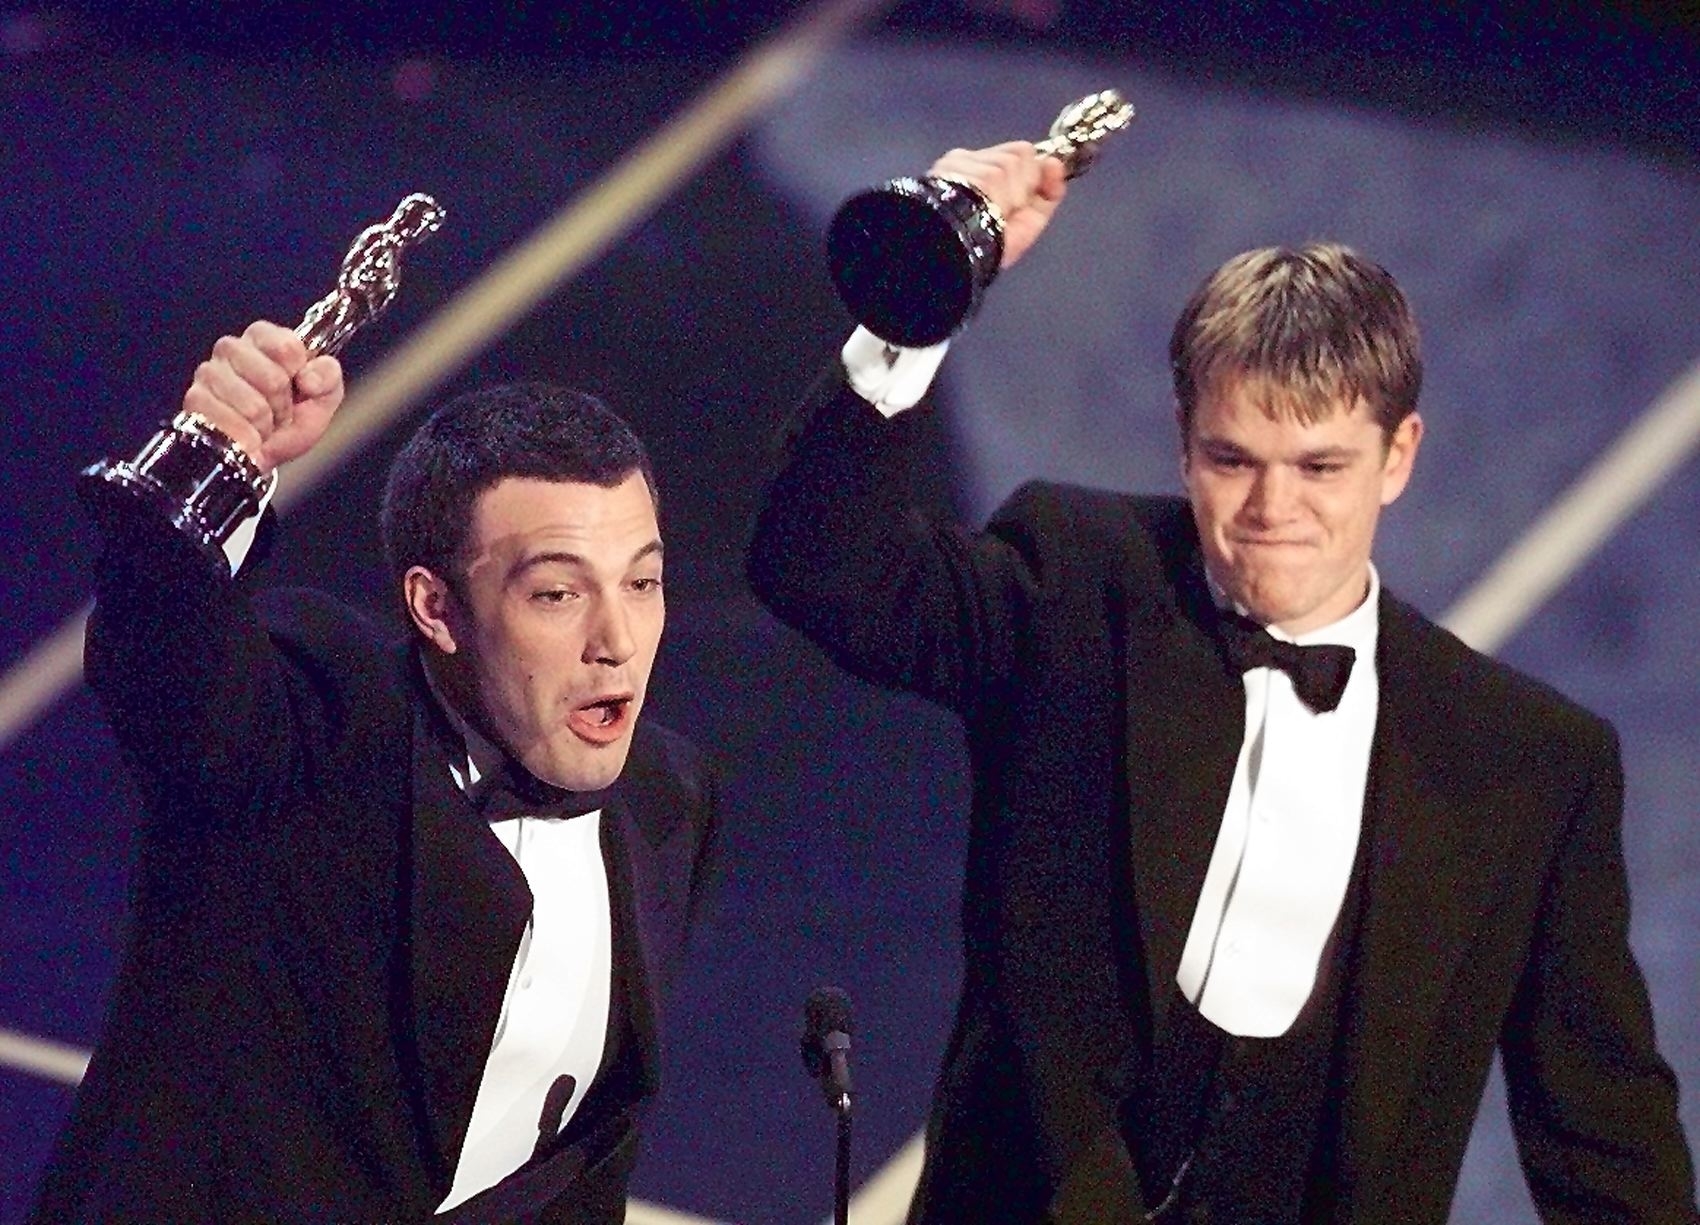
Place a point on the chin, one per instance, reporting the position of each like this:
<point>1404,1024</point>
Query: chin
<point>1272,609</point>
<point>588,772</point>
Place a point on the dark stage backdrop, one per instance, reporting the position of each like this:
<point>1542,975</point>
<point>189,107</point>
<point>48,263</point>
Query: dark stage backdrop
<point>152,198</point>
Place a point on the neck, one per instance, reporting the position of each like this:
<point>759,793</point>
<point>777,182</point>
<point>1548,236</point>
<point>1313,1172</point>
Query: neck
<point>453,687</point>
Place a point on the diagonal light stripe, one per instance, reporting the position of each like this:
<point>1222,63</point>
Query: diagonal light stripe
<point>41,677</point>
<point>884,1198</point>
<point>1627,475</point>
<point>592,222</point>
<point>640,1213</point>
<point>614,205</point>
<point>42,1057</point>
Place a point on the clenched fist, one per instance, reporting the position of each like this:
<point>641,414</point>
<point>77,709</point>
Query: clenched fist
<point>265,391</point>
<point>1022,185</point>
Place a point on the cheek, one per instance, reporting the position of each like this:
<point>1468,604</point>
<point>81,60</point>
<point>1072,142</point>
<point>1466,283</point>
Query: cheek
<point>1351,521</point>
<point>517,671</point>
<point>1206,499</point>
<point>651,639</point>
<point>510,688</point>
<point>1221,509</point>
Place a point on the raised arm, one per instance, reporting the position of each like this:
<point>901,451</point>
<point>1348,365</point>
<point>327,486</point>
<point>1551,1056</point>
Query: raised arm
<point>174,651</point>
<point>842,550</point>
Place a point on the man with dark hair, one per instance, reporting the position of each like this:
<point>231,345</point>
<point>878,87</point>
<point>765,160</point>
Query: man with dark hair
<point>1263,865</point>
<point>403,911</point>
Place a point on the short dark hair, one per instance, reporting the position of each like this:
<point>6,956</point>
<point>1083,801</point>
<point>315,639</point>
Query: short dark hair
<point>532,431</point>
<point>1309,327</point>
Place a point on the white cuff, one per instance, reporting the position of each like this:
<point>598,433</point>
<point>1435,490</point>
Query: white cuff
<point>890,378</point>
<point>241,539</point>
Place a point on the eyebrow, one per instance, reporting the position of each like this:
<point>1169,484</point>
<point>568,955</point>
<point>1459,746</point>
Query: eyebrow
<point>1223,446</point>
<point>559,557</point>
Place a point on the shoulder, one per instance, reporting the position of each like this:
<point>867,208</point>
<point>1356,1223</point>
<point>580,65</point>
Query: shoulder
<point>1504,711</point>
<point>671,793</point>
<point>658,748</point>
<point>1143,547</point>
<point>320,621</point>
<point>334,645</point>
<point>1087,518</point>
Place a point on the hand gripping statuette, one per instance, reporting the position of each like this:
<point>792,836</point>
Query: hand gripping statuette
<point>194,476</point>
<point>912,258</point>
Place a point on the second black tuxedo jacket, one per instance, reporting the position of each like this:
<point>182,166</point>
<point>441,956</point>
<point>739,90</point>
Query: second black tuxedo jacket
<point>323,928</point>
<point>1073,636</point>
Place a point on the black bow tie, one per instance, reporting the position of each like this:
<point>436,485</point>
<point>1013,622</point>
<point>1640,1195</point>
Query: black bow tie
<point>514,791</point>
<point>1319,673</point>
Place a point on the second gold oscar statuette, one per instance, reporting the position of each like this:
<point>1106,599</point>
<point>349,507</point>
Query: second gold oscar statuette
<point>194,477</point>
<point>912,258</point>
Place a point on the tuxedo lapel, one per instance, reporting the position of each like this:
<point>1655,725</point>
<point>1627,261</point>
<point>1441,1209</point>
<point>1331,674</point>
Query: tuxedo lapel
<point>467,912</point>
<point>632,1016</point>
<point>1185,726</point>
<point>649,883</point>
<point>1431,876</point>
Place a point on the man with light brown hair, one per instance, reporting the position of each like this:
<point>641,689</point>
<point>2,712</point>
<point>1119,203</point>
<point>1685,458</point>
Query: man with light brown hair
<point>1263,865</point>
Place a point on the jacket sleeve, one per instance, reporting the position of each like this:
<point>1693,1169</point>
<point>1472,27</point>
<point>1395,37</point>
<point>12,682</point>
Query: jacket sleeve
<point>187,676</point>
<point>844,553</point>
<point>1593,1106</point>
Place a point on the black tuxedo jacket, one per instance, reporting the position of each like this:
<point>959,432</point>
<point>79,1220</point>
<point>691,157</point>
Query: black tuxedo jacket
<point>322,927</point>
<point>1073,636</point>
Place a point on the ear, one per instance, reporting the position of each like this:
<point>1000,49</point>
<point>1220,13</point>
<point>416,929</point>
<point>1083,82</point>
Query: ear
<point>1401,455</point>
<point>427,598</point>
<point>1185,454</point>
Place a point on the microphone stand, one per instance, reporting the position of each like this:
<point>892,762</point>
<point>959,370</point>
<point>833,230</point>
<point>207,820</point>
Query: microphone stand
<point>826,1057</point>
<point>841,1178</point>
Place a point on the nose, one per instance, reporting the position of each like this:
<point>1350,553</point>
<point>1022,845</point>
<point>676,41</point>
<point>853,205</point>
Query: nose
<point>1273,496</point>
<point>609,639</point>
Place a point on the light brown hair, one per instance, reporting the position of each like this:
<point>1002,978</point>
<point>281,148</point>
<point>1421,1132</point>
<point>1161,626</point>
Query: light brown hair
<point>1307,329</point>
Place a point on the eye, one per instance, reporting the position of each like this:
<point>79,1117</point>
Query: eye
<point>1324,467</point>
<point>554,595</point>
<point>647,585</point>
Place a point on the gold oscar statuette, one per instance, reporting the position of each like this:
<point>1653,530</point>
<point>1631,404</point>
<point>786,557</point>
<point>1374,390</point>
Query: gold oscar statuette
<point>191,474</point>
<point>912,258</point>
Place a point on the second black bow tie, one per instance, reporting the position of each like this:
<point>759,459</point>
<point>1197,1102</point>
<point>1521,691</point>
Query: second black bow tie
<point>513,791</point>
<point>1319,673</point>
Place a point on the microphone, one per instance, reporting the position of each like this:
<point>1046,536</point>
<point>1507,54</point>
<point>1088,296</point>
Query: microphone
<point>826,1055</point>
<point>826,1044</point>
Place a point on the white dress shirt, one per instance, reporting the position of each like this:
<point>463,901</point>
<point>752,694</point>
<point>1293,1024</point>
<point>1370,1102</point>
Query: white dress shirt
<point>1288,837</point>
<point>890,378</point>
<point>554,1019</point>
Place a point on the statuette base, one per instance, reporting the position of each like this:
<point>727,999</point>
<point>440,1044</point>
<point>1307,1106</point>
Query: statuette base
<point>189,474</point>
<point>912,258</point>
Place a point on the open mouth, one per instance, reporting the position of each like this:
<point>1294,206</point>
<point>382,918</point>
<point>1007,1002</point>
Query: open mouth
<point>602,721</point>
